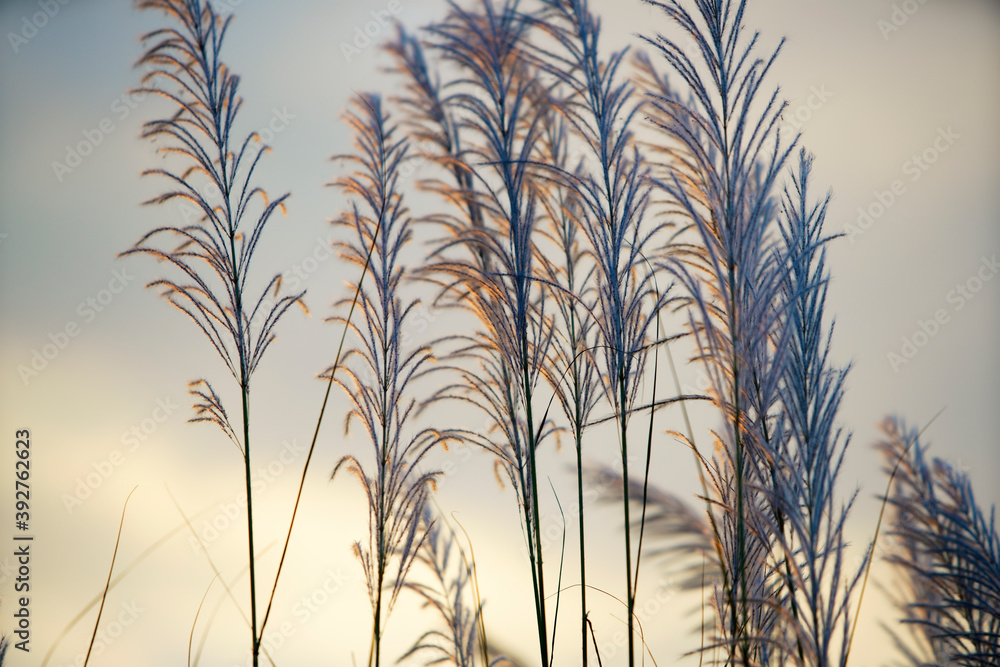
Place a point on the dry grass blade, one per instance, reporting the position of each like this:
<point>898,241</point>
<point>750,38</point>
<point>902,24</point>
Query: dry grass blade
<point>122,573</point>
<point>194,622</point>
<point>107,585</point>
<point>216,574</point>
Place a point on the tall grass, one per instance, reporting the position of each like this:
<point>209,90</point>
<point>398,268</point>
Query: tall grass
<point>212,258</point>
<point>578,203</point>
<point>729,161</point>
<point>947,555</point>
<point>613,192</point>
<point>396,488</point>
<point>484,132</point>
<point>569,273</point>
<point>755,280</point>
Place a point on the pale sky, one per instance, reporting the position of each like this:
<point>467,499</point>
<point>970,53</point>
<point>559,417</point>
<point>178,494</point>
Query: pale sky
<point>903,124</point>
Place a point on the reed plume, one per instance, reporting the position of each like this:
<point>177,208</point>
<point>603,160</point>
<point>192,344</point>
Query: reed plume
<point>612,188</point>
<point>215,175</point>
<point>754,276</point>
<point>397,487</point>
<point>481,126</point>
<point>946,553</point>
<point>459,641</point>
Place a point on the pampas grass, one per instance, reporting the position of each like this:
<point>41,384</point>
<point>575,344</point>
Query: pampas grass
<point>755,282</point>
<point>728,161</point>
<point>484,134</point>
<point>577,204</point>
<point>396,487</point>
<point>213,257</point>
<point>611,189</point>
<point>947,556</point>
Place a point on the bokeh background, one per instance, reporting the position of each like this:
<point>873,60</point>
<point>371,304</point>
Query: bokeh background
<point>871,84</point>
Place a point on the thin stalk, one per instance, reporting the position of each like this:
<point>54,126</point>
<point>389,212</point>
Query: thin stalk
<point>583,554</point>
<point>649,433</point>
<point>107,584</point>
<point>740,626</point>
<point>253,580</point>
<point>245,395</point>
<point>541,619</point>
<point>578,419</point>
<point>562,560</point>
<point>630,596</point>
<point>733,331</point>
<point>383,555</point>
<point>376,633</point>
<point>649,457</point>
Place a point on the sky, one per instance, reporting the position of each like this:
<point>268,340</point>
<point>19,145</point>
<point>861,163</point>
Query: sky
<point>899,103</point>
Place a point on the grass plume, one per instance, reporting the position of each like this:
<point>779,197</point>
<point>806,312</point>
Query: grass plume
<point>484,133</point>
<point>566,188</point>
<point>215,179</point>
<point>754,276</point>
<point>946,553</point>
<point>396,488</point>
